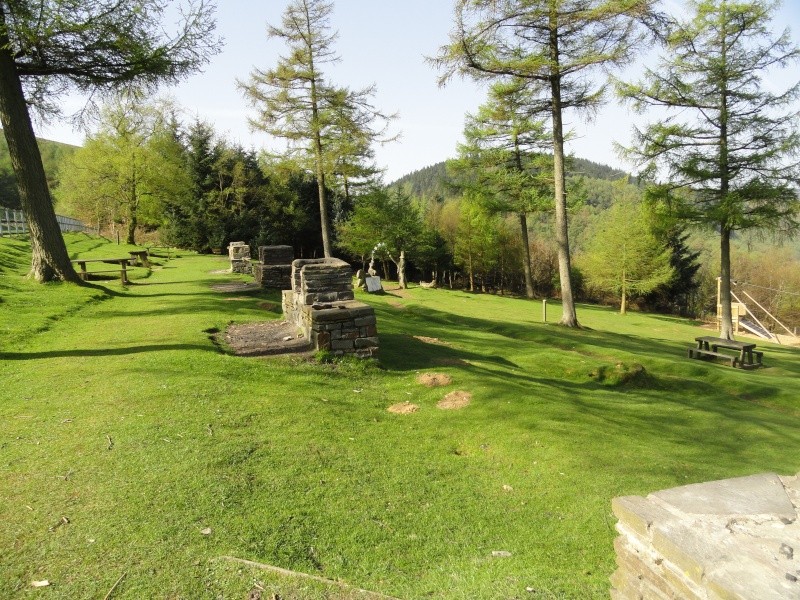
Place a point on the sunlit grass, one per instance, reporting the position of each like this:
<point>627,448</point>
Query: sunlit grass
<point>119,412</point>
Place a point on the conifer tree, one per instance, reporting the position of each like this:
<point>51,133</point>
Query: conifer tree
<point>725,156</point>
<point>623,255</point>
<point>295,101</point>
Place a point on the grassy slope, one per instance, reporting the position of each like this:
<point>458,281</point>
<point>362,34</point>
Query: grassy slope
<point>299,465</point>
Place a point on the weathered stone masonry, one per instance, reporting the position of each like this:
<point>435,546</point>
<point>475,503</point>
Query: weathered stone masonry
<point>239,255</point>
<point>274,270</point>
<point>321,303</point>
<point>736,539</point>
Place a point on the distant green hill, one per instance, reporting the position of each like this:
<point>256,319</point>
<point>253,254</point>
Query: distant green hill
<point>53,153</point>
<point>432,181</point>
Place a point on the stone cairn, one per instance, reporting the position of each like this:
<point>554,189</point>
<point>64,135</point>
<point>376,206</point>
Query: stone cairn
<point>274,270</point>
<point>735,539</point>
<point>322,305</point>
<point>239,254</point>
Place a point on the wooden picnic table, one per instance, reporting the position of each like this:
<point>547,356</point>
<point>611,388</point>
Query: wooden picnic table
<point>709,346</point>
<point>122,262</point>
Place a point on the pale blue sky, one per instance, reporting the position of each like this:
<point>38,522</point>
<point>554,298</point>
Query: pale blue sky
<point>382,42</point>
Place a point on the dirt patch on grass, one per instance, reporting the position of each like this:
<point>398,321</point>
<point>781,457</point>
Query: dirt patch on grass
<point>220,272</point>
<point>449,362</point>
<point>397,305</point>
<point>431,340</point>
<point>270,306</point>
<point>455,400</point>
<point>265,338</point>
<point>403,408</point>
<point>236,287</point>
<point>434,379</point>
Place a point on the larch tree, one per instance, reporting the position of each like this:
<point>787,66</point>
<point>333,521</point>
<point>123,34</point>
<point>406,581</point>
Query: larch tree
<point>295,101</point>
<point>562,47</point>
<point>725,156</point>
<point>51,47</point>
<point>623,256</point>
<point>503,162</point>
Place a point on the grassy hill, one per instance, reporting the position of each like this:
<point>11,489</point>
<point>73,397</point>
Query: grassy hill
<point>53,153</point>
<point>135,449</point>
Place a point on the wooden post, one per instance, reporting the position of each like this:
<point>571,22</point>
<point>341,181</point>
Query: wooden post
<point>544,310</point>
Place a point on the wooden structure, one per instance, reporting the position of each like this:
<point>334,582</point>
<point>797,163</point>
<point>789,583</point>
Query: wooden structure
<point>122,269</point>
<point>708,346</point>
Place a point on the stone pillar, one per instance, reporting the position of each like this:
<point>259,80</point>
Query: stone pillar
<point>275,268</point>
<point>735,539</point>
<point>239,255</point>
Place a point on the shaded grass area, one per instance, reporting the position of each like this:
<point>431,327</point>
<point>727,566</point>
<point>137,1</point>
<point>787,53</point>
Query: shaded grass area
<point>123,416</point>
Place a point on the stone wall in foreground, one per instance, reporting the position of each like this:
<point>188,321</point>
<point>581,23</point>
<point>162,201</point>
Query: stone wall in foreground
<point>735,539</point>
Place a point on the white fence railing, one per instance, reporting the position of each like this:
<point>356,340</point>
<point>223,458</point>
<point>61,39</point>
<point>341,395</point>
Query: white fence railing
<point>12,222</point>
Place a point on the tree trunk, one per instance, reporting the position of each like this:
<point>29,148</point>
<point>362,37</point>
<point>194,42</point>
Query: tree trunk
<point>623,303</point>
<point>526,254</point>
<point>471,274</point>
<point>325,223</point>
<point>49,260</point>
<point>133,208</point>
<point>568,316</point>
<point>726,323</point>
<point>401,271</point>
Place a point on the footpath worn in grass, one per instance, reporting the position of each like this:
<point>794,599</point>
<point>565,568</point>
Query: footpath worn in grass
<point>132,444</point>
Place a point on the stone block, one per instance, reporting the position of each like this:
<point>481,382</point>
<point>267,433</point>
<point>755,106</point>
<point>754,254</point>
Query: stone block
<point>276,255</point>
<point>364,321</point>
<point>637,513</point>
<point>370,342</point>
<point>342,345</point>
<point>762,494</point>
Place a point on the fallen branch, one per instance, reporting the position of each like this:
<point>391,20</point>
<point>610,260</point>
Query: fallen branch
<point>113,587</point>
<point>297,574</point>
<point>110,442</point>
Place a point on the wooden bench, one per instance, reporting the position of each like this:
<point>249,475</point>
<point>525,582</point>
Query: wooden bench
<point>700,353</point>
<point>122,269</point>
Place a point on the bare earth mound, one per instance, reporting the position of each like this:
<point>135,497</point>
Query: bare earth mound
<point>238,286</point>
<point>403,408</point>
<point>455,400</point>
<point>434,379</point>
<point>431,340</point>
<point>260,339</point>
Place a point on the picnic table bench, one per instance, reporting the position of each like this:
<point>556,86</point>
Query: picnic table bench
<point>142,257</point>
<point>709,346</point>
<point>122,269</point>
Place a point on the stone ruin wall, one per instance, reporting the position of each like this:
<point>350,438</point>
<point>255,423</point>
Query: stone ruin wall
<point>239,255</point>
<point>274,269</point>
<point>736,539</point>
<point>322,304</point>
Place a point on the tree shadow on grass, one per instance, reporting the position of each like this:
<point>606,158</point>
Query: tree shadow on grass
<point>79,353</point>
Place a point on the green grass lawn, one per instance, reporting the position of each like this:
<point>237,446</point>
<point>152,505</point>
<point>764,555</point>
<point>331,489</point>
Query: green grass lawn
<point>126,433</point>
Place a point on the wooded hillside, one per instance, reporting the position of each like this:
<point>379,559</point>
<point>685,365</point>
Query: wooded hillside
<point>53,153</point>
